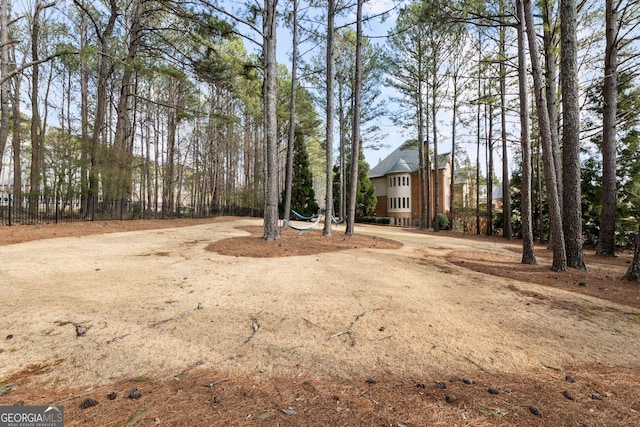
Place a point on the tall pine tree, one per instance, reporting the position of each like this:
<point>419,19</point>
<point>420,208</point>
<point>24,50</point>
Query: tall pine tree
<point>303,198</point>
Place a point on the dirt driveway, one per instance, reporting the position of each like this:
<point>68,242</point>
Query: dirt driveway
<point>359,336</point>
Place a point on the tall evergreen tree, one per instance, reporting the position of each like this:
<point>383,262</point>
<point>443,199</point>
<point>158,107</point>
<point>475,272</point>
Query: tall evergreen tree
<point>303,197</point>
<point>366,192</point>
<point>572,210</point>
<point>271,230</point>
<point>606,241</point>
<point>528,248</point>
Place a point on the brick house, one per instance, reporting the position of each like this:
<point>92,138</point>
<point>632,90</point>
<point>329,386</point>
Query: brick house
<point>397,186</point>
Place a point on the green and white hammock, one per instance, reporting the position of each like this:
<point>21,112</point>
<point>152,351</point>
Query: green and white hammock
<point>301,229</point>
<point>304,218</point>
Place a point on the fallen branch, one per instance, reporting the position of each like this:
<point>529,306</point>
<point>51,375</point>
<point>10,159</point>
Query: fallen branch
<point>349,331</point>
<point>311,323</point>
<point>186,371</point>
<point>158,323</point>
<point>211,385</point>
<point>476,364</point>
<point>254,327</point>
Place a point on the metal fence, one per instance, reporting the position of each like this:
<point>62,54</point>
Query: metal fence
<point>31,210</point>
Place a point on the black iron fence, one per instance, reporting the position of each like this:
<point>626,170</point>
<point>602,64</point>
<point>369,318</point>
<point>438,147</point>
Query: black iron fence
<point>29,210</point>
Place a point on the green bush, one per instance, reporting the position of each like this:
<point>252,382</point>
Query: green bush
<point>376,220</point>
<point>443,221</point>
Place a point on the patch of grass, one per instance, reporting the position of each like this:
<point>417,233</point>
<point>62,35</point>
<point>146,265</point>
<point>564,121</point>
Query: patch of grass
<point>160,253</point>
<point>492,412</point>
<point>137,416</point>
<point>264,415</point>
<point>195,242</point>
<point>141,379</point>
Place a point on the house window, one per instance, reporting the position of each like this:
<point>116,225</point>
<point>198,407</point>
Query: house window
<point>403,203</point>
<point>390,183</point>
<point>408,180</point>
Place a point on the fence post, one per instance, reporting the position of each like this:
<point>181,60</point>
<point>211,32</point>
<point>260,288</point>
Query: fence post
<point>10,210</point>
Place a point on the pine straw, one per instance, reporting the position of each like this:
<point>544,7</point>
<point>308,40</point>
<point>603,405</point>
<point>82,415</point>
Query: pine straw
<point>206,397</point>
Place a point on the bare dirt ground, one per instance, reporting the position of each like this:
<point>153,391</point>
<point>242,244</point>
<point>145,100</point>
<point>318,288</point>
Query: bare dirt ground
<point>215,326</point>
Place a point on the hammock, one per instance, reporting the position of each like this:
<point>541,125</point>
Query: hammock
<point>302,217</point>
<point>335,221</point>
<point>301,229</point>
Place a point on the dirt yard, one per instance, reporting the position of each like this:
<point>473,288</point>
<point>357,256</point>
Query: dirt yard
<point>211,325</point>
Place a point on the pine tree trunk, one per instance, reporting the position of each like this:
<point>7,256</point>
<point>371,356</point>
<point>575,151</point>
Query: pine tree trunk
<point>4,71</point>
<point>329,119</point>
<point>271,229</point>
<point>478,137</point>
<point>506,196</point>
<point>452,180</point>
<point>572,199</point>
<point>633,273</point>
<point>292,116</point>
<point>423,182</point>
<point>16,140</point>
<point>528,247</point>
<point>559,262</point>
<point>436,166</point>
<point>355,143</point>
<point>606,240</point>
<point>35,178</point>
<point>490,173</point>
<point>85,143</point>
<point>550,49</point>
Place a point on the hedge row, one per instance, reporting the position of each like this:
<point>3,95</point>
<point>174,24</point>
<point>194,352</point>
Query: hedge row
<point>376,220</point>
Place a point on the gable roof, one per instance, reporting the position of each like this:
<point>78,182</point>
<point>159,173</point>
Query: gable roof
<point>403,160</point>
